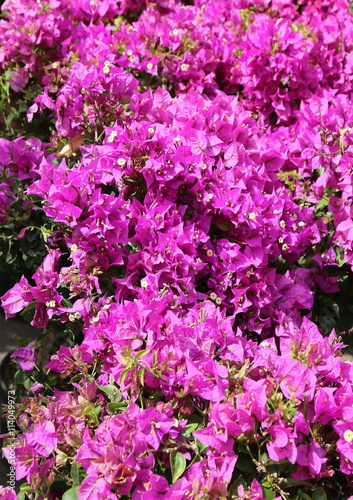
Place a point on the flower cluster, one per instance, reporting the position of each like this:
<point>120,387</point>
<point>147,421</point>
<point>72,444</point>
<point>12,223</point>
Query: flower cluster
<point>199,190</point>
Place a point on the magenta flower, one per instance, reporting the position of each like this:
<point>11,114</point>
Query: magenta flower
<point>17,298</point>
<point>149,486</point>
<point>283,445</point>
<point>8,493</point>
<point>43,439</point>
<point>345,444</point>
<point>95,487</point>
<point>311,459</point>
<point>203,216</point>
<point>26,356</point>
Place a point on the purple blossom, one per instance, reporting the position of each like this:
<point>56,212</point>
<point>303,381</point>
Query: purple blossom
<point>25,356</point>
<point>204,214</point>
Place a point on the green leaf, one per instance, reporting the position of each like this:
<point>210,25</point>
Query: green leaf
<point>39,377</point>
<point>132,248</point>
<point>21,379</point>
<point>141,353</point>
<point>245,464</point>
<point>117,397</point>
<point>24,489</point>
<point>115,407</point>
<point>224,225</point>
<point>340,258</point>
<point>289,482</point>
<point>108,389</point>
<point>189,429</point>
<point>323,203</point>
<point>319,494</point>
<point>75,473</point>
<point>52,381</point>
<point>93,412</point>
<point>28,312</point>
<point>124,374</point>
<point>178,465</point>
<point>202,447</point>
<point>66,302</point>
<point>327,323</point>
<point>267,491</point>
<point>141,375</point>
<point>302,496</point>
<point>71,494</point>
<point>334,307</point>
<point>233,491</point>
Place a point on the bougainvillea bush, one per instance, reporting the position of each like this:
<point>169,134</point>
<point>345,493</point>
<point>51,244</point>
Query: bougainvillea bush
<point>187,167</point>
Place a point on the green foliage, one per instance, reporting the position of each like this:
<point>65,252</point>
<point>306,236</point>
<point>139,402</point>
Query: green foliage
<point>13,111</point>
<point>319,494</point>
<point>178,465</point>
<point>71,494</point>
<point>23,255</point>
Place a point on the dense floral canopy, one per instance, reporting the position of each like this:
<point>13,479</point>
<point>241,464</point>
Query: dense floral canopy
<point>194,183</point>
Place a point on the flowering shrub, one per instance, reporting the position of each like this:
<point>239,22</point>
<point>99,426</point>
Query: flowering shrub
<point>195,202</point>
